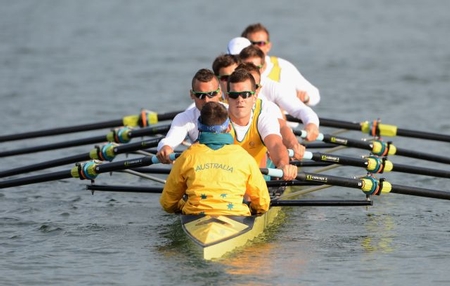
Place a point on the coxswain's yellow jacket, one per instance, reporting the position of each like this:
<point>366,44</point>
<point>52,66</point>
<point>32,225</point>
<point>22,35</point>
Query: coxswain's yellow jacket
<point>215,182</point>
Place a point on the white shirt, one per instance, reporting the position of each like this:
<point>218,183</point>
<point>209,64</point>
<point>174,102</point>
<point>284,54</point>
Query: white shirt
<point>267,122</point>
<point>290,75</point>
<point>286,98</point>
<point>185,124</point>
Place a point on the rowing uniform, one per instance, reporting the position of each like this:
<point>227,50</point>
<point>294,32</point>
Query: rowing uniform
<point>215,182</point>
<point>287,99</point>
<point>183,124</point>
<point>261,124</point>
<point>281,70</point>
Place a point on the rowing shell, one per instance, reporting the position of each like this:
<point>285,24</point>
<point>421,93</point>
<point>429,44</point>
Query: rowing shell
<point>218,235</point>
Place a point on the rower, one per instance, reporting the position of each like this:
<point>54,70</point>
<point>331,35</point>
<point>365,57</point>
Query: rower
<point>279,69</point>
<point>282,94</point>
<point>254,129</point>
<point>289,138</point>
<point>205,88</point>
<point>214,173</point>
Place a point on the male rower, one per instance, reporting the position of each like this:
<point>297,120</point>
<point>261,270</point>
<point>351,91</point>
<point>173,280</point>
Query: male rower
<point>279,69</point>
<point>281,94</point>
<point>254,129</point>
<point>289,138</point>
<point>205,88</point>
<point>214,173</point>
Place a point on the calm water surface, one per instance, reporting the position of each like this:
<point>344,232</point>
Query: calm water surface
<point>65,63</point>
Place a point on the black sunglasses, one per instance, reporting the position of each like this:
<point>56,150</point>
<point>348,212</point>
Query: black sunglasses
<point>260,43</point>
<point>202,95</point>
<point>224,77</point>
<point>243,94</point>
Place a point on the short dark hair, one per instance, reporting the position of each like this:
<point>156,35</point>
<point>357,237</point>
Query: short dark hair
<point>253,28</point>
<point>250,67</point>
<point>252,52</point>
<point>203,75</point>
<point>241,75</point>
<point>223,61</point>
<point>213,113</point>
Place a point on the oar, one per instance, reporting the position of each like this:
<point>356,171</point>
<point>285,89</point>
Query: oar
<point>377,129</point>
<point>120,135</point>
<point>369,185</point>
<point>132,189</point>
<point>105,153</point>
<point>374,164</point>
<point>145,118</point>
<point>320,203</point>
<point>85,171</point>
<point>273,203</point>
<point>377,147</point>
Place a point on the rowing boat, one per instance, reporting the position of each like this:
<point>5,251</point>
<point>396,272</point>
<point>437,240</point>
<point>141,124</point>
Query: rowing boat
<point>217,235</point>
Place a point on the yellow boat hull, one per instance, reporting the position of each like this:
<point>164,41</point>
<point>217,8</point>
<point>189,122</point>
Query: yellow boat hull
<point>218,235</point>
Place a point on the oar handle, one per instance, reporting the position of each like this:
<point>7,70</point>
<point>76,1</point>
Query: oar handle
<point>277,173</point>
<point>303,134</point>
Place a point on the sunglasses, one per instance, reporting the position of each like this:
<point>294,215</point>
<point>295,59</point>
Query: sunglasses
<point>202,95</point>
<point>224,77</point>
<point>243,94</point>
<point>260,43</point>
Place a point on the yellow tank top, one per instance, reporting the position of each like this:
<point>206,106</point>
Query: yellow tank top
<point>275,73</point>
<point>252,141</point>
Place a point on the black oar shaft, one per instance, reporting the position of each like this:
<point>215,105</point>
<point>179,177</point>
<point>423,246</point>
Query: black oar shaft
<point>36,179</point>
<point>382,166</point>
<point>320,203</point>
<point>61,130</point>
<point>369,145</point>
<point>53,146</point>
<point>163,129</point>
<point>78,158</point>
<point>423,156</point>
<point>423,135</point>
<point>420,192</point>
<point>150,170</point>
<point>330,180</point>
<point>146,131</point>
<point>127,164</point>
<point>282,183</point>
<point>420,171</point>
<point>45,165</point>
<point>88,171</point>
<point>127,189</point>
<point>79,128</point>
<point>382,128</point>
<point>130,147</point>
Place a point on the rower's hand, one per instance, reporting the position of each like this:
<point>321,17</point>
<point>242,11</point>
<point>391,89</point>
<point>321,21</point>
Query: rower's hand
<point>313,131</point>
<point>289,172</point>
<point>299,151</point>
<point>163,154</point>
<point>303,96</point>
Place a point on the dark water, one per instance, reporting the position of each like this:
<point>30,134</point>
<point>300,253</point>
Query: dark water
<point>65,63</point>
